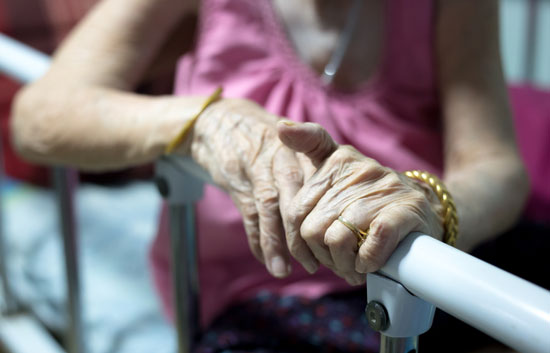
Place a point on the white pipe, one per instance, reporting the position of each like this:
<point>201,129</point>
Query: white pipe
<point>506,307</point>
<point>21,62</point>
<point>502,305</point>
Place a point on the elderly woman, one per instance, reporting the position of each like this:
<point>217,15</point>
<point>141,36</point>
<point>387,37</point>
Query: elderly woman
<point>368,89</point>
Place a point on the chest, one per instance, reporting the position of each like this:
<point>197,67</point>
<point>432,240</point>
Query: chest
<point>317,28</point>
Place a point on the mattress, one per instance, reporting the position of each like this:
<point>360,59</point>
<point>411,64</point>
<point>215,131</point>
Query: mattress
<point>115,228</point>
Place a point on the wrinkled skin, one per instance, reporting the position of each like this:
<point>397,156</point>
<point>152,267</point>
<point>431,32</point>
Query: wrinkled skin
<point>236,142</point>
<point>291,181</point>
<point>365,193</point>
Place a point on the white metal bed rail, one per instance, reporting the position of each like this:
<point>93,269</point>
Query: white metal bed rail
<point>504,306</point>
<point>25,64</point>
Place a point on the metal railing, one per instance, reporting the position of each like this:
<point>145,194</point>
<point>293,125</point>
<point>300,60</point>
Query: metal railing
<point>504,306</point>
<point>25,64</point>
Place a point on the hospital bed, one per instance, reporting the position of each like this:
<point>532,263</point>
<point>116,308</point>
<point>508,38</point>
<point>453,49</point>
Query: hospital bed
<point>401,298</point>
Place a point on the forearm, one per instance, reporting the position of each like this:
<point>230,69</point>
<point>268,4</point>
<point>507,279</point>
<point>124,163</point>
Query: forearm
<point>96,128</point>
<point>79,113</point>
<point>483,170</point>
<point>489,197</point>
<point>118,40</point>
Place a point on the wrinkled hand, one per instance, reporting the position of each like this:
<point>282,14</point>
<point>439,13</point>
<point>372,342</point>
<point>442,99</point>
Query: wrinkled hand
<point>365,193</point>
<point>236,142</point>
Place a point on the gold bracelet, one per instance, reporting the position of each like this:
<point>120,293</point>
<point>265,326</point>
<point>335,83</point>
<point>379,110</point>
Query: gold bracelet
<point>450,217</point>
<point>189,123</point>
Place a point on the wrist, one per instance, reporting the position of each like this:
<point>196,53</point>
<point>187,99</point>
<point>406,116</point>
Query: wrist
<point>184,137</point>
<point>446,210</point>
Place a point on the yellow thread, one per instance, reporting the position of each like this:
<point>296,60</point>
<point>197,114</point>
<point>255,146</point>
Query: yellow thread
<point>450,223</point>
<point>189,123</point>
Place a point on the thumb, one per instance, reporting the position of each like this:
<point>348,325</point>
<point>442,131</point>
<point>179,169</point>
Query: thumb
<point>308,138</point>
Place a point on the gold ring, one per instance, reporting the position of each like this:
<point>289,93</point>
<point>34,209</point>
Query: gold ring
<point>360,234</point>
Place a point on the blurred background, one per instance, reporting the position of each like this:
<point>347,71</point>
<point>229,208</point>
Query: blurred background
<point>117,212</point>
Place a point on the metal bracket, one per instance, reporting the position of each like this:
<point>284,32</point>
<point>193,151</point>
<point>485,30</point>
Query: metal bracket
<point>397,314</point>
<point>179,181</point>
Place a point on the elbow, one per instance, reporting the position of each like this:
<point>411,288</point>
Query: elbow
<point>32,125</point>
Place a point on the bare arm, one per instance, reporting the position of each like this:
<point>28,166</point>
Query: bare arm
<point>483,170</point>
<point>81,113</point>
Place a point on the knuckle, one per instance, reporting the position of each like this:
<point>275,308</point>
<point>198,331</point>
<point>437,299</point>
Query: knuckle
<point>293,216</point>
<point>371,170</point>
<point>248,211</point>
<point>231,168</point>
<point>420,200</point>
<point>417,205</point>
<point>254,242</point>
<point>383,230</point>
<point>295,248</point>
<point>373,258</point>
<point>269,134</point>
<point>334,241</point>
<point>346,149</point>
<point>292,175</point>
<point>376,253</point>
<point>309,231</point>
<point>267,198</point>
<point>269,241</point>
<point>393,180</point>
<point>344,152</point>
<point>252,231</point>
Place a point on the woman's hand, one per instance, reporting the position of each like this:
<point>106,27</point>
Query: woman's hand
<point>371,197</point>
<point>236,141</point>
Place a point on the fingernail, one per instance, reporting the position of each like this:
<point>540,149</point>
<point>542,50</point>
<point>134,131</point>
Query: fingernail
<point>311,266</point>
<point>288,122</point>
<point>278,267</point>
<point>354,280</point>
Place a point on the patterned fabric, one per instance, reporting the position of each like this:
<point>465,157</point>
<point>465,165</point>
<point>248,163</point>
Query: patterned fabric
<point>41,24</point>
<point>273,323</point>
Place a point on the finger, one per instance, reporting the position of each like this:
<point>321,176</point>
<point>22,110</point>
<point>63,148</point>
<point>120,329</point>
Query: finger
<point>303,203</point>
<point>387,229</point>
<point>308,169</point>
<point>345,234</point>
<point>342,244</point>
<point>272,240</point>
<point>247,207</point>
<point>314,231</point>
<point>315,227</point>
<point>288,177</point>
<point>308,138</point>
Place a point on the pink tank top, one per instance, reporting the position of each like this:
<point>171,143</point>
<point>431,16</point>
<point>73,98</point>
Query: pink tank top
<point>393,118</point>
